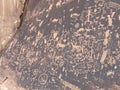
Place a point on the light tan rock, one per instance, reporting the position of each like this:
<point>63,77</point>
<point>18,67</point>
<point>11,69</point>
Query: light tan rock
<point>10,11</point>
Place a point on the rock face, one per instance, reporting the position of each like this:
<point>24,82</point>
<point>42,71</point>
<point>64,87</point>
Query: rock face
<point>10,12</point>
<point>66,45</point>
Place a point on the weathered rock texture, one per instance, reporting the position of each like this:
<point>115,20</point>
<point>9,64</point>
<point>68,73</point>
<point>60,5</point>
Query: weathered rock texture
<point>10,12</point>
<point>66,45</point>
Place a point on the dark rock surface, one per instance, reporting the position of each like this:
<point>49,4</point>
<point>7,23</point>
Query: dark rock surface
<point>67,45</point>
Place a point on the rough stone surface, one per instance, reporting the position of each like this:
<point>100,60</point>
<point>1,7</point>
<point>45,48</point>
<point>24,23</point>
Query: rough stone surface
<point>10,12</point>
<point>66,45</point>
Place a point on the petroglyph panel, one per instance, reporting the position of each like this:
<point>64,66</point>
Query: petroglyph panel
<point>67,45</point>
